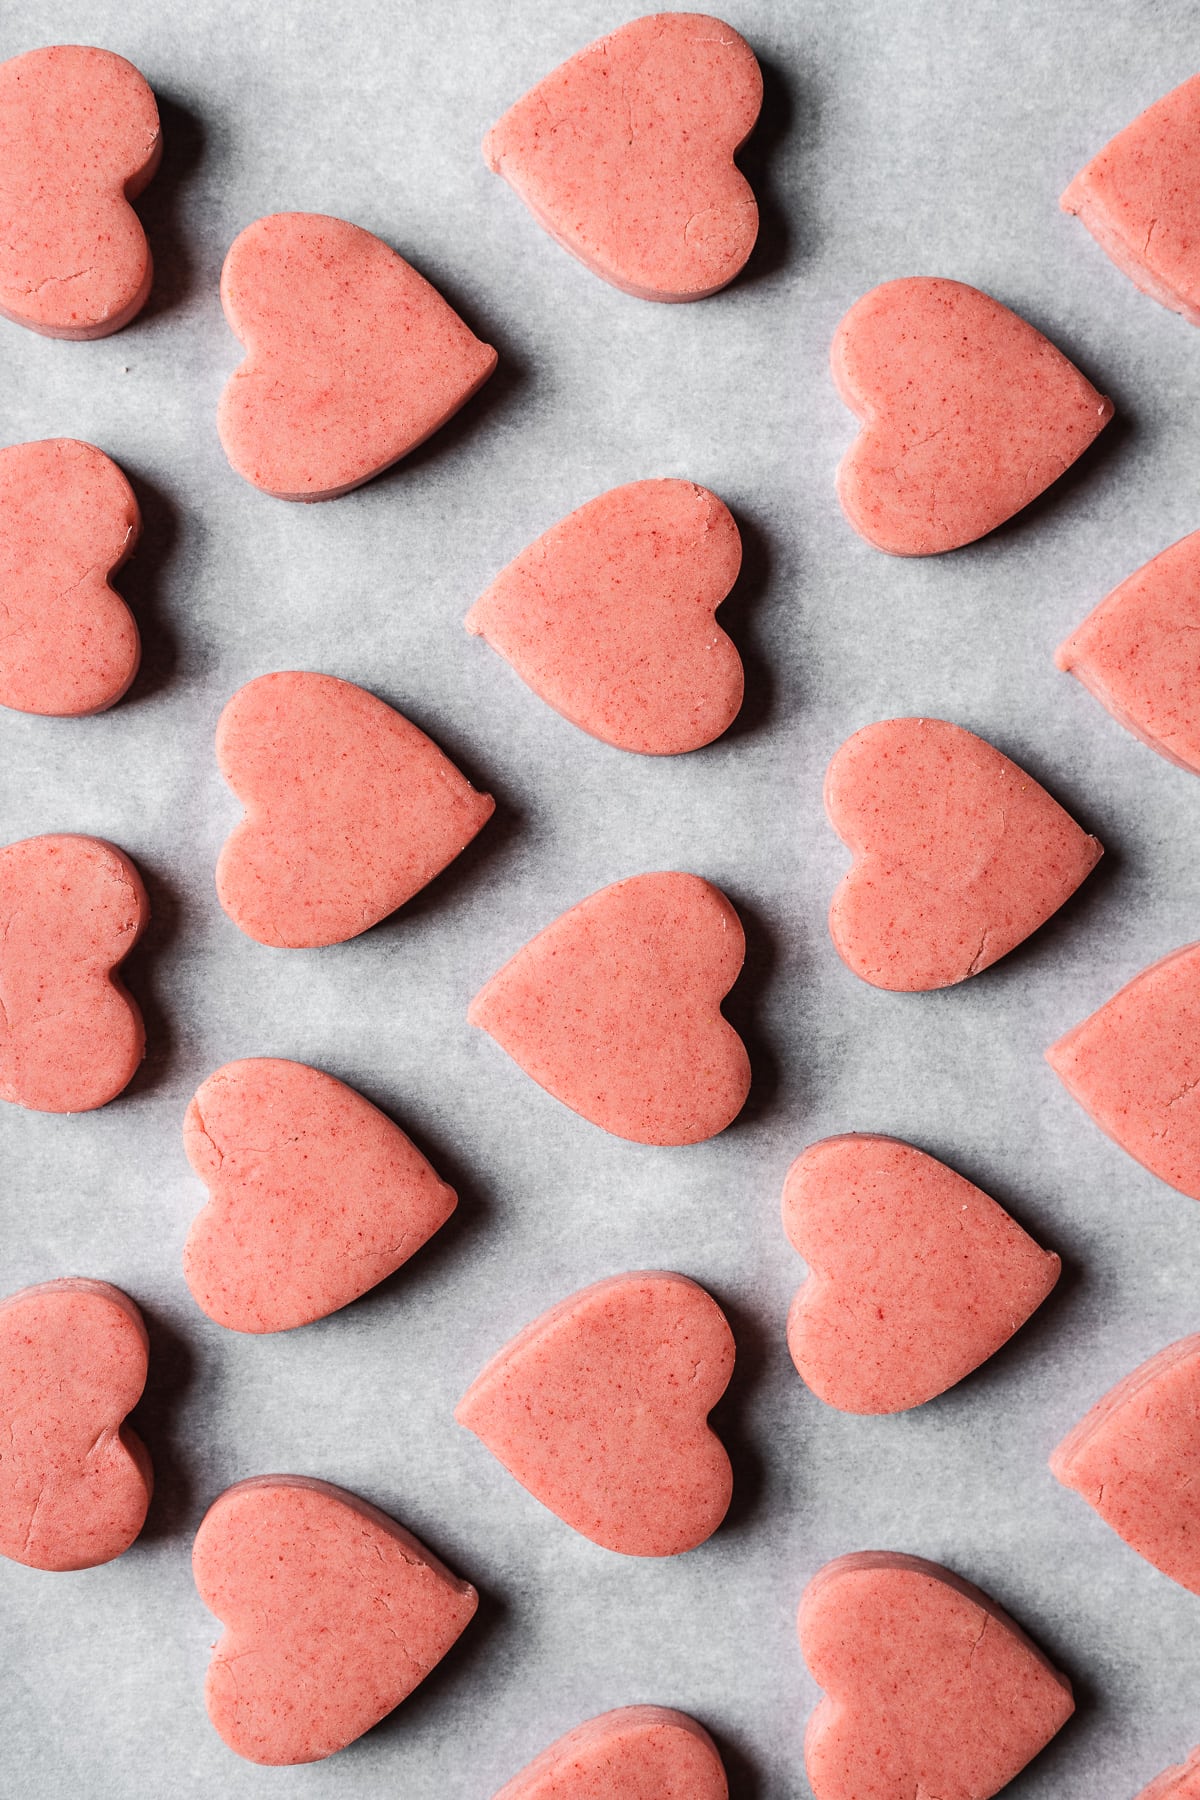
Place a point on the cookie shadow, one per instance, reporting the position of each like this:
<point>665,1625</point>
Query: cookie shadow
<point>739,613</point>
<point>728,1417</point>
<point>742,1007</point>
<point>140,975</point>
<point>452,1679</point>
<point>155,1418</point>
<point>141,582</point>
<point>757,160</point>
<point>745,1783</point>
<point>158,206</point>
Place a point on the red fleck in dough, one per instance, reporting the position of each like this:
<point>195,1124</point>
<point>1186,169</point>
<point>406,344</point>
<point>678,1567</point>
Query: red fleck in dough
<point>600,1409</point>
<point>68,520</point>
<point>615,1009</point>
<point>75,1481</point>
<point>1135,1458</point>
<point>1140,198</point>
<point>635,1753</point>
<point>333,1614</point>
<point>71,910</point>
<point>314,1195</point>
<point>1179,1783</point>
<point>1134,1065</point>
<point>609,617</point>
<point>1138,652</point>
<point>624,154</point>
<point>958,854</point>
<point>353,359</point>
<point>350,810</point>
<point>930,1688</point>
<point>968,413</point>
<point>915,1276</point>
<point>79,139</point>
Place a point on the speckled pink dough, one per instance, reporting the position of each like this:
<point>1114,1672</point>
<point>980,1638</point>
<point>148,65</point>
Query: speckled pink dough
<point>615,1009</point>
<point>609,617</point>
<point>68,520</point>
<point>624,154</point>
<point>635,1753</point>
<point>930,1688</point>
<point>1138,652</point>
<point>352,358</point>
<point>968,414</point>
<point>915,1276</point>
<point>75,1481</point>
<point>350,810</point>
<point>1135,1458</point>
<point>1179,1783</point>
<point>333,1614</point>
<point>79,139</point>
<point>1134,1065</point>
<point>71,910</point>
<point>315,1195</point>
<point>1140,198</point>
<point>958,854</point>
<point>600,1409</point>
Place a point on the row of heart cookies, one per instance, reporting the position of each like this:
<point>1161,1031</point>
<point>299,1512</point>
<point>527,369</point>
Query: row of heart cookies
<point>600,1410</point>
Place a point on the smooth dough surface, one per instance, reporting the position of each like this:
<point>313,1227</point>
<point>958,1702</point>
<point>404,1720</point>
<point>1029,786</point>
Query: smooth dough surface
<point>634,1753</point>
<point>315,1195</point>
<point>958,854</point>
<point>68,520</point>
<point>615,1009</point>
<point>352,358</point>
<point>930,1688</point>
<point>333,1614</point>
<point>968,414</point>
<point>609,617</point>
<point>79,139</point>
<point>350,810</point>
<point>75,1481</point>
<point>915,1275</point>
<point>600,1408</point>
<point>71,910</point>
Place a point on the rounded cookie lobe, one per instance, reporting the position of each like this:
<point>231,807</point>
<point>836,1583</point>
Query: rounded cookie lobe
<point>315,1196</point>
<point>930,1688</point>
<point>615,1009</point>
<point>968,414</point>
<point>1139,198</point>
<point>1182,1782</point>
<point>71,910</point>
<point>1134,1065</point>
<point>915,1278</point>
<point>958,854</point>
<point>333,1614</point>
<point>609,617</point>
<point>68,520</point>
<point>624,154</point>
<point>600,1409</point>
<point>1136,1456</point>
<point>634,1753</point>
<point>1138,653</point>
<point>350,810</point>
<point>352,357</point>
<point>79,139</point>
<point>75,1481</point>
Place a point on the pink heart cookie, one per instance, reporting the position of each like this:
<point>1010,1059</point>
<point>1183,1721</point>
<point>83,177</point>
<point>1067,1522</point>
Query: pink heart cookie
<point>915,1276</point>
<point>71,910</point>
<point>624,154</point>
<point>1137,652</point>
<point>353,359</point>
<point>75,1481</point>
<point>333,1614</point>
<point>79,139</point>
<point>350,810</point>
<point>609,617</point>
<point>968,414</point>
<point>315,1196</point>
<point>68,520</point>
<point>930,1688</point>
<point>1179,1783</point>
<point>634,1753</point>
<point>615,1009</point>
<point>958,854</point>
<point>1136,1456</point>
<point>1139,199</point>
<point>1134,1065</point>
<point>600,1408</point>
